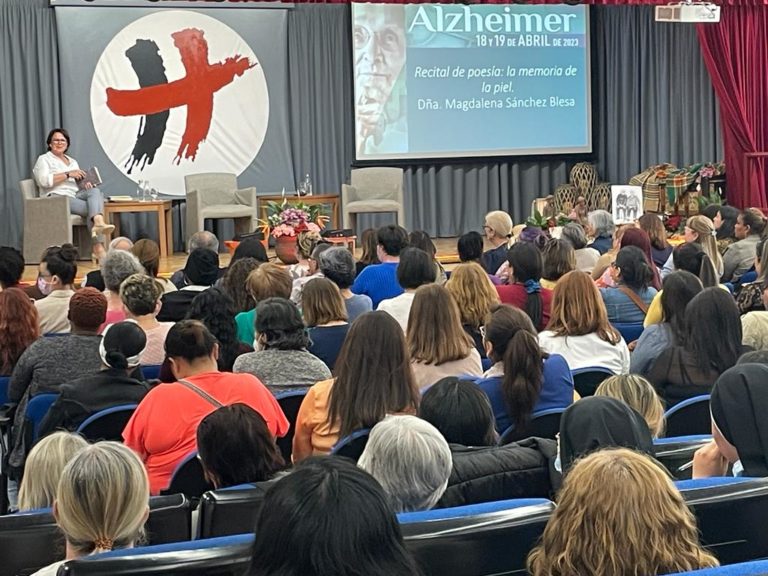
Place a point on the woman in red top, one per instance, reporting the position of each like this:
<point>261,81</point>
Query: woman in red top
<point>163,429</point>
<point>524,291</point>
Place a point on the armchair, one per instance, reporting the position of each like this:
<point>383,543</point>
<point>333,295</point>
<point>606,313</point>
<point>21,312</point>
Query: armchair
<point>47,222</point>
<point>373,190</point>
<point>215,195</point>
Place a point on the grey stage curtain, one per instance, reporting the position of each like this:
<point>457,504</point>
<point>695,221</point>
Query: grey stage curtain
<point>29,101</point>
<point>654,98</point>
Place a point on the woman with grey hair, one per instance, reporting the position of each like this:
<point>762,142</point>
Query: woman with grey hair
<point>115,268</point>
<point>338,265</point>
<point>601,227</point>
<point>586,256</point>
<point>411,460</point>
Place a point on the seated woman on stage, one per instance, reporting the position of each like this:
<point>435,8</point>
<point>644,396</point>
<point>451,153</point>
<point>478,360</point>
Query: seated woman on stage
<point>57,173</point>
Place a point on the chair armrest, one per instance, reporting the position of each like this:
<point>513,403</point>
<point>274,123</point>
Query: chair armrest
<point>348,193</point>
<point>7,413</point>
<point>246,197</point>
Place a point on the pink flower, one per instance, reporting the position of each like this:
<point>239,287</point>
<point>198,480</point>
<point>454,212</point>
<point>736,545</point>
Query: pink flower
<point>283,230</point>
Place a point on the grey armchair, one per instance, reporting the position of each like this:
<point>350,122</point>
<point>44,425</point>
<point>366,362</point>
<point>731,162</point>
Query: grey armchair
<point>373,190</point>
<point>47,222</point>
<point>215,195</point>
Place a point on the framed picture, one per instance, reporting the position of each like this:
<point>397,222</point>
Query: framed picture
<point>626,203</point>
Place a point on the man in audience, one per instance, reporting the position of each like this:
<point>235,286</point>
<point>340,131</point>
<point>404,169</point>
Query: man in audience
<point>415,269</point>
<point>203,239</point>
<point>379,281</point>
<point>94,277</point>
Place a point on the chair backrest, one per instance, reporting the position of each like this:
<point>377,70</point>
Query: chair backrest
<point>378,183</point>
<point>231,510</point>
<point>756,568</point>
<point>731,517</point>
<point>691,416</point>
<point>477,545</point>
<point>214,187</point>
<point>469,510</point>
<point>290,401</point>
<point>228,556</point>
<point>189,478</point>
<point>37,408</point>
<point>29,542</point>
<point>630,332</point>
<point>586,380</point>
<point>170,519</point>
<point>151,371</point>
<point>4,381</point>
<point>107,424</point>
<point>543,424</point>
<point>352,446</point>
<point>29,189</point>
<point>676,452</point>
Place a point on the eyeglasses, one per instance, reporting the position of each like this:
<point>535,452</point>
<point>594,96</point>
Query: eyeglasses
<point>58,141</point>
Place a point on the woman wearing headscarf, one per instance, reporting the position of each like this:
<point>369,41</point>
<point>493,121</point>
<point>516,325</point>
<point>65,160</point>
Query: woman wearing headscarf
<point>200,272</point>
<point>739,402</point>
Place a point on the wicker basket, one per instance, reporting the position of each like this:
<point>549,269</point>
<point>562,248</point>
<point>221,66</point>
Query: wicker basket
<point>600,197</point>
<point>584,177</point>
<point>565,198</point>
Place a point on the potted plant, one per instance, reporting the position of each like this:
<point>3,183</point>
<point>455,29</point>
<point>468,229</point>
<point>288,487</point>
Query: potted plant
<point>287,220</point>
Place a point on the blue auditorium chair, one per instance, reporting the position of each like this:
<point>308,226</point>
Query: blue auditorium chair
<point>691,416</point>
<point>231,510</point>
<point>4,381</point>
<point>757,568</point>
<point>189,478</point>
<point>290,402</point>
<point>151,371</point>
<point>677,451</point>
<point>107,424</point>
<point>587,379</point>
<point>352,446</point>
<point>629,331</point>
<point>37,408</point>
<point>543,424</point>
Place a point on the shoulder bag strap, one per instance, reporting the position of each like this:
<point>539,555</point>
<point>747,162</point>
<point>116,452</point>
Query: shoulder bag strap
<point>200,392</point>
<point>635,298</point>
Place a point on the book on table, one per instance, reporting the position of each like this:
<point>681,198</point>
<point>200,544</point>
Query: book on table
<point>92,177</point>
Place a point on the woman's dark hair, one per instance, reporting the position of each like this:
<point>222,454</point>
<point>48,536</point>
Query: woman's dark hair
<point>234,283</point>
<point>558,258</point>
<point>634,268</point>
<point>236,446</point>
<point>215,309</point>
<point>470,247</point>
<point>329,517</point>
<point>61,131</point>
<point>692,258</point>
<point>189,339</point>
<point>62,262</point>
<point>393,239</point>
<point>713,332</point>
<point>420,239</point>
<point>415,268</point>
<point>369,242</point>
<point>280,322</point>
<point>729,215</point>
<point>679,288</point>
<point>755,219</point>
<point>373,374</point>
<point>514,342</point>
<point>461,411</point>
<point>250,248</point>
<point>11,266</point>
<point>526,262</point>
<point>122,341</point>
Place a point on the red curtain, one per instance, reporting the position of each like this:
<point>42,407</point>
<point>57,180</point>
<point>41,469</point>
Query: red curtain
<point>736,54</point>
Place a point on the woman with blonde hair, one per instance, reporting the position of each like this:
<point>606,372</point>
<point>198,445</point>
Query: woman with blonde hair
<point>43,469</point>
<point>579,330</point>
<point>474,293</point>
<point>325,316</point>
<point>438,345</point>
<point>614,517</point>
<point>498,231</point>
<point>102,501</point>
<point>636,392</point>
<point>701,230</point>
<point>269,280</point>
<point>305,244</point>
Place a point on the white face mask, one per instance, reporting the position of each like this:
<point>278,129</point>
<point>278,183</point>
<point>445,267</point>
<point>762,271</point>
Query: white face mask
<point>44,287</point>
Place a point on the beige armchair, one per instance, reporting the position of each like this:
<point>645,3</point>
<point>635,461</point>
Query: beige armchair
<point>373,190</point>
<point>215,195</point>
<point>47,222</point>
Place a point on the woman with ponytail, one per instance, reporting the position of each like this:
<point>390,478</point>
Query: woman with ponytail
<point>700,230</point>
<point>102,502</point>
<point>524,290</point>
<point>740,256</point>
<point>524,379</point>
<point>120,349</point>
<point>629,300</point>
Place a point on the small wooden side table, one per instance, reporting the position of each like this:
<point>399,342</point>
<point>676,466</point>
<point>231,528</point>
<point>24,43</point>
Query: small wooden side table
<point>348,241</point>
<point>160,207</point>
<point>331,200</point>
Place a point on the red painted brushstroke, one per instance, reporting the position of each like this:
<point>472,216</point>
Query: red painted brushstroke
<point>195,90</point>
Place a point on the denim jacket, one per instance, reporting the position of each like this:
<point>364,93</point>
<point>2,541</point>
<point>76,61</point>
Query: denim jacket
<point>621,308</point>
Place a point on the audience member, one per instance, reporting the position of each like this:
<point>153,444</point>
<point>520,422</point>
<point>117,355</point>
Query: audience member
<point>637,393</point>
<point>267,281</point>
<point>369,243</point>
<point>281,360</point>
<point>679,288</point>
<point>421,240</point>
<point>740,256</point>
<point>55,278</point>
<point>749,295</point>
<point>250,248</point>
<point>628,302</point>
<point>579,329</point>
<point>326,318</point>
<point>120,350</point>
<point>102,502</point>
<point>558,258</point>
<point>11,267</point>
<point>410,459</point>
<point>200,273</point>
<point>475,296</point>
<point>162,430</point>
<point>599,272</point>
<point>661,250</point>
<point>215,309</point>
<point>754,326</point>
<point>379,281</point>
<point>470,247</point>
<point>754,357</point>
<point>373,379</point>
<point>45,464</point>
<point>236,447</point>
<point>199,240</point>
<point>338,265</point>
<point>614,517</point>
<point>586,256</point>
<point>116,266</point>
<point>305,245</point>
<point>437,343</point>
<point>234,283</point>
<point>19,327</point>
<point>329,517</point>
<point>637,238</point>
<point>141,295</point>
<point>415,269</point>
<point>701,230</point>
<point>148,253</point>
<point>524,378</point>
<point>524,290</point>
<point>498,232</point>
<point>691,368</point>
<point>724,219</point>
<point>313,262</point>
<point>95,278</point>
<point>600,227</point>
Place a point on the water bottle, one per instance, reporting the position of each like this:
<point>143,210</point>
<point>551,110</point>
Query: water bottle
<point>140,191</point>
<point>308,185</point>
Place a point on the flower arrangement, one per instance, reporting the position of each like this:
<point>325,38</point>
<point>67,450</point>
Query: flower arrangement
<point>291,219</point>
<point>538,220</point>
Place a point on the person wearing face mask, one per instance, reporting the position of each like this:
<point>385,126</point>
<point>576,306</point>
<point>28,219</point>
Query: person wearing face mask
<point>55,279</point>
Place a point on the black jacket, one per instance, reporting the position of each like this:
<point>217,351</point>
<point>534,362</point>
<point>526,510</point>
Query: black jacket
<point>490,473</point>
